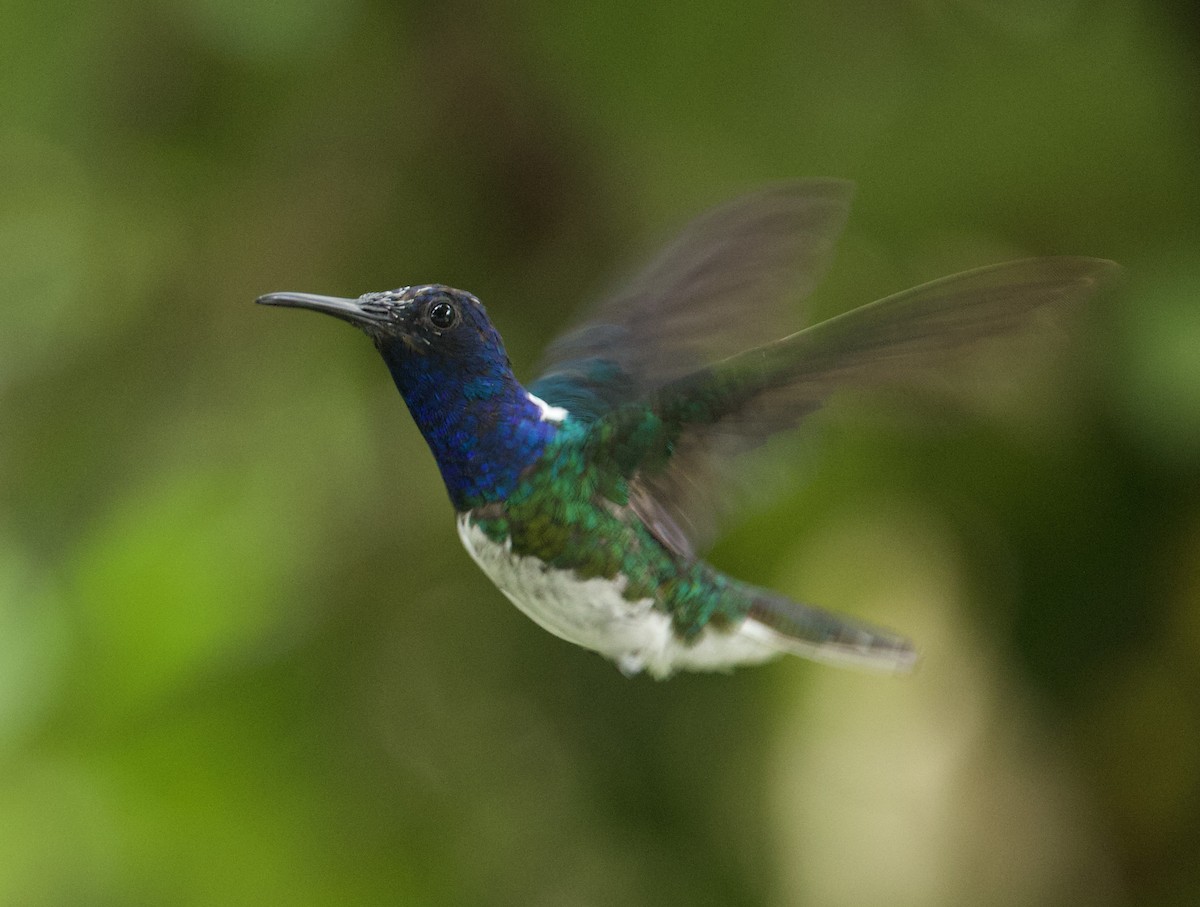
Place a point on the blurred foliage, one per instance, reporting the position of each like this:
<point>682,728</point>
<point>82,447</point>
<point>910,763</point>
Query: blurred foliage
<point>243,659</point>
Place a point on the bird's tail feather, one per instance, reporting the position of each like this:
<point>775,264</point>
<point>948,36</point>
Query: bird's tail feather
<point>823,636</point>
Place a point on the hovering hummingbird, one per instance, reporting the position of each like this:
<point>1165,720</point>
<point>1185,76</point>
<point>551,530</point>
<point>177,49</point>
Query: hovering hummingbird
<point>588,497</point>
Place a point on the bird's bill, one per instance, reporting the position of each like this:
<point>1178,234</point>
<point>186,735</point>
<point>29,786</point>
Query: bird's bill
<point>345,309</point>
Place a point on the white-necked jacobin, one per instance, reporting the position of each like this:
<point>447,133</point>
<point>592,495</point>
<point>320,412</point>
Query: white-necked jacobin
<point>588,497</point>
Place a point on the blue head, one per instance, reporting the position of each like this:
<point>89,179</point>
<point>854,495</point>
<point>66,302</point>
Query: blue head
<point>449,363</point>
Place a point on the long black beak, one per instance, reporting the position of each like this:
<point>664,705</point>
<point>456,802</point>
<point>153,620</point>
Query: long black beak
<point>346,309</point>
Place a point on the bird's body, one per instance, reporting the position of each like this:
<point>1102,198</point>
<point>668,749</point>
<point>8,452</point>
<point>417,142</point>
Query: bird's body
<point>579,560</point>
<point>599,613</point>
<point>585,498</point>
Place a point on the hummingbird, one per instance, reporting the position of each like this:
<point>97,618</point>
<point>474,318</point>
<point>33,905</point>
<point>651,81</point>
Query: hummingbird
<point>588,497</point>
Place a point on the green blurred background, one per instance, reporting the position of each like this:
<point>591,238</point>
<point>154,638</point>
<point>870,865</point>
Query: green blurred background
<point>243,658</point>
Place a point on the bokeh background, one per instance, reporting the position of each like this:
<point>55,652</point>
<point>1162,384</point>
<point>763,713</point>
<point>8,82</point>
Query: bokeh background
<point>243,658</point>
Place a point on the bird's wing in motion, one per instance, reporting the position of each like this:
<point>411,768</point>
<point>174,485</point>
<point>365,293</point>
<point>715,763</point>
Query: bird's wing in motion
<point>734,404</point>
<point>718,288</point>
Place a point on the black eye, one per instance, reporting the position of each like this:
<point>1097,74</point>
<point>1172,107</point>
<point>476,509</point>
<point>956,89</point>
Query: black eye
<point>442,315</point>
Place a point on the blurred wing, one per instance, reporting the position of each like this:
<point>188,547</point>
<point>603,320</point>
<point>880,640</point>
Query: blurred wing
<point>737,403</point>
<point>716,289</point>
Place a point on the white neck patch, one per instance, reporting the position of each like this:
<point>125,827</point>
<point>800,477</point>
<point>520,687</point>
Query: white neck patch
<point>549,413</point>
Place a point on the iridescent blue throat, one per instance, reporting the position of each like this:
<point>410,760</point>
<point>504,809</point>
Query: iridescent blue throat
<point>483,427</point>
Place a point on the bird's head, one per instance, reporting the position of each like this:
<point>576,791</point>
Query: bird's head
<point>432,322</point>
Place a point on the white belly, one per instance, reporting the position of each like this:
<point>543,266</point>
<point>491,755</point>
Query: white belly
<point>594,614</point>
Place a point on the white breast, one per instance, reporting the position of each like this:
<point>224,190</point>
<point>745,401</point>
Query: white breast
<point>593,613</point>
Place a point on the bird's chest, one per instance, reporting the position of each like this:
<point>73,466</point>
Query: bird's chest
<point>593,612</point>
